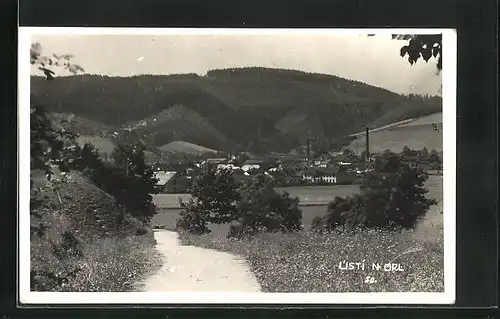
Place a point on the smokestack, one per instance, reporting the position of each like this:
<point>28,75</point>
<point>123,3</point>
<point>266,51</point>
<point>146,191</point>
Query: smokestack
<point>308,149</point>
<point>367,143</point>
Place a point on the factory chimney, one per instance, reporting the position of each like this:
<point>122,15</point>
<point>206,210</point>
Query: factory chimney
<point>367,143</point>
<point>308,149</point>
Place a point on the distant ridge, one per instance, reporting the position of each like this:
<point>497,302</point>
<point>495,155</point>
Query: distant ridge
<point>246,109</point>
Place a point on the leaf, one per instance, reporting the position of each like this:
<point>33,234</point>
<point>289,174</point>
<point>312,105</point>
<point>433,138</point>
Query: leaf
<point>404,50</point>
<point>426,54</point>
<point>435,51</point>
<point>46,70</point>
<point>415,55</point>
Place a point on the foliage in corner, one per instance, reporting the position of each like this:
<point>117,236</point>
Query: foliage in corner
<point>47,64</point>
<point>423,46</point>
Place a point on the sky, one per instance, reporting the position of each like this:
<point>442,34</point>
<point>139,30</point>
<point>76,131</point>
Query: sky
<point>373,60</point>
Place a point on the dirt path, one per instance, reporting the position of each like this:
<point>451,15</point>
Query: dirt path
<point>194,269</point>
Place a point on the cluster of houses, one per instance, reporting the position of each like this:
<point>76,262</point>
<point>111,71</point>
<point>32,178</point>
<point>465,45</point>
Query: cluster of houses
<point>343,167</point>
<point>287,170</point>
<point>284,170</point>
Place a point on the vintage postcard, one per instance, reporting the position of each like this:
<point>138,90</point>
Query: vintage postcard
<point>237,166</point>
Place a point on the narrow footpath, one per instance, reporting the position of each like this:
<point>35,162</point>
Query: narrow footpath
<point>194,269</point>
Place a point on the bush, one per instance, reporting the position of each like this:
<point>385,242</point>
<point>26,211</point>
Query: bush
<point>137,181</point>
<point>127,177</point>
<point>213,200</point>
<point>337,212</point>
<point>392,196</point>
<point>192,218</point>
<point>261,207</point>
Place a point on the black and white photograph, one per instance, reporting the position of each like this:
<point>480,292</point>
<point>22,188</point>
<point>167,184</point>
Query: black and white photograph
<point>237,165</point>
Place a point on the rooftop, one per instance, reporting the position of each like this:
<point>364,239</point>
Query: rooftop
<point>318,171</point>
<point>253,162</point>
<point>163,177</point>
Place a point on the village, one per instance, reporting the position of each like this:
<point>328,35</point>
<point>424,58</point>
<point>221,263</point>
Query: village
<point>338,167</point>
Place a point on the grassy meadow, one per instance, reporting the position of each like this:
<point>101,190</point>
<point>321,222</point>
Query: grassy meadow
<point>103,145</point>
<point>113,256</point>
<point>415,134</point>
<point>309,262</point>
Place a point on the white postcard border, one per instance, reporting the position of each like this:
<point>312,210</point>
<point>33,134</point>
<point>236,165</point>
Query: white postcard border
<point>449,182</point>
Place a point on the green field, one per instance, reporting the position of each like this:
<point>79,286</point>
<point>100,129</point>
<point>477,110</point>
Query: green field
<point>313,200</point>
<point>168,218</point>
<point>430,228</point>
<point>416,135</point>
<point>103,145</point>
<point>186,148</point>
<point>308,195</point>
<point>425,120</point>
<point>395,139</point>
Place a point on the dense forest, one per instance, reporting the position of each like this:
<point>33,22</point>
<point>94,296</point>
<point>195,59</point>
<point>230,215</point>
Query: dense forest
<point>253,109</point>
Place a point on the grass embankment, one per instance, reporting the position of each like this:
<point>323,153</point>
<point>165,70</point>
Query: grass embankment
<point>309,262</point>
<point>117,251</point>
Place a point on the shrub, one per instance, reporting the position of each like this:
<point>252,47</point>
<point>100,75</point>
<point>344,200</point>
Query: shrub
<point>192,218</point>
<point>337,210</point>
<point>392,196</point>
<point>127,177</point>
<point>261,206</point>
<point>137,181</point>
<point>214,195</point>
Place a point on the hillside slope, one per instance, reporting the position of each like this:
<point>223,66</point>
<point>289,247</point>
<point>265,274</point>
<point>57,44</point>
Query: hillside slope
<point>105,146</point>
<point>415,134</point>
<point>256,108</point>
<point>182,123</point>
<point>185,148</point>
<point>88,232</point>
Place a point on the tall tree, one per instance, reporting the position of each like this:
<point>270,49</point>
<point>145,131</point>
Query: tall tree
<point>137,182</point>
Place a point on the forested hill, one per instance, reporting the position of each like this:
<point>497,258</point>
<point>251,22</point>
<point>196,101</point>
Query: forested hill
<point>249,108</point>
